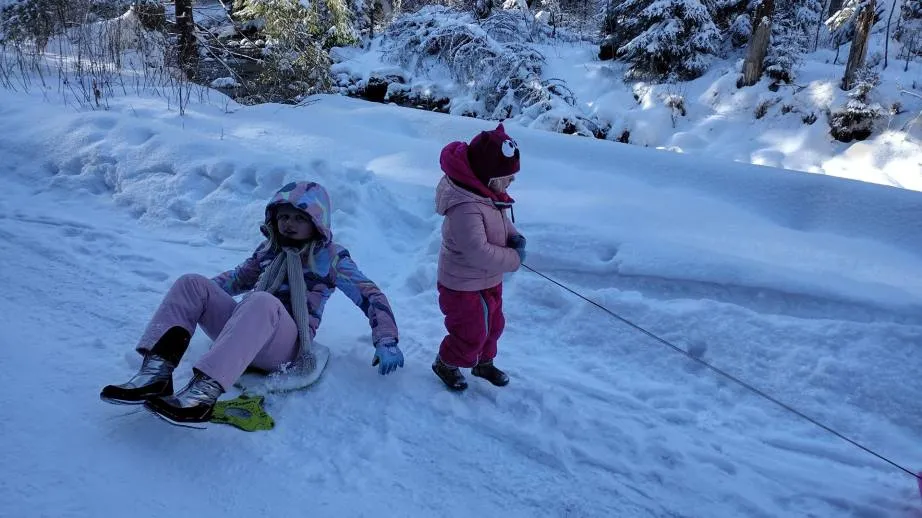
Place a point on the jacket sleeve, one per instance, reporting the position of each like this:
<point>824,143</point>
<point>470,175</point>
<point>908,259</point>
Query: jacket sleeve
<point>368,297</point>
<point>242,278</point>
<point>467,229</point>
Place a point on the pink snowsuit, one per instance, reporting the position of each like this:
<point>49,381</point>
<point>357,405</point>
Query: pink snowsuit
<point>473,258</point>
<point>259,331</point>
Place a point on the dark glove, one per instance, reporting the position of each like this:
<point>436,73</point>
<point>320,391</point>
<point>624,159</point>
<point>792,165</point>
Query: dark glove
<point>518,243</point>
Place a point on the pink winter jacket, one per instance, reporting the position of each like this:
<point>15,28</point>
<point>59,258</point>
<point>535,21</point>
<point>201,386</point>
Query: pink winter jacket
<point>474,255</point>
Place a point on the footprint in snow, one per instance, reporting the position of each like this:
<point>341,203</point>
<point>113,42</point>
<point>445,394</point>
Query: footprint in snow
<point>153,275</point>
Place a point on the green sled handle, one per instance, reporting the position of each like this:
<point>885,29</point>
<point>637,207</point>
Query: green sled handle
<point>245,412</point>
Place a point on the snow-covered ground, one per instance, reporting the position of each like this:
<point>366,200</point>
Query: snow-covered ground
<point>721,119</point>
<point>806,286</point>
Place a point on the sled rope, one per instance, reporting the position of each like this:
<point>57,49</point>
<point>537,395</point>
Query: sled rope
<point>727,375</point>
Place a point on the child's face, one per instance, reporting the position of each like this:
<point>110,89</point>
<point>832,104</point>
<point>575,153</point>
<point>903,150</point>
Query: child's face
<point>294,224</point>
<point>500,184</point>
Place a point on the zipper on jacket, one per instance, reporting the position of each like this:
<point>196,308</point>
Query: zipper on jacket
<point>486,320</point>
<point>502,207</point>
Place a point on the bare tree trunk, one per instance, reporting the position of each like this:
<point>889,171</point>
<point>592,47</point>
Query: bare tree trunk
<point>374,4</point>
<point>859,48</point>
<point>834,6</point>
<point>910,49</point>
<point>887,40</point>
<point>758,44</point>
<point>819,26</point>
<point>188,50</point>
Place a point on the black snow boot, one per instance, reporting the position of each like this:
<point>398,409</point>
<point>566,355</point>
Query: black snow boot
<point>449,375</point>
<point>155,377</point>
<point>172,345</point>
<point>192,405</point>
<point>489,372</point>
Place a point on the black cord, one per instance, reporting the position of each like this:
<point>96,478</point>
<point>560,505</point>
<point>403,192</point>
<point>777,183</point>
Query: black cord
<point>725,374</point>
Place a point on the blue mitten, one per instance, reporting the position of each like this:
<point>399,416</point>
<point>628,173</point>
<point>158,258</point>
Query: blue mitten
<point>388,357</point>
<point>518,243</point>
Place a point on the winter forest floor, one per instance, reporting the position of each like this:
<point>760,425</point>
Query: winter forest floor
<point>749,125</point>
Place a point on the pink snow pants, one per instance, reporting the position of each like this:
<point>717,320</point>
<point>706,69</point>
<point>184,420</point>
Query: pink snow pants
<point>475,321</point>
<point>256,332</point>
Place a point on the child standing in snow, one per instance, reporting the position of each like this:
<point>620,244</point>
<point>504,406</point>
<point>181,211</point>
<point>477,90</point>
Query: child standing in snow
<point>479,245</point>
<point>289,278</point>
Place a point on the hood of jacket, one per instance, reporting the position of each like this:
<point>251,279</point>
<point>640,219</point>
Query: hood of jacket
<point>455,165</point>
<point>308,197</point>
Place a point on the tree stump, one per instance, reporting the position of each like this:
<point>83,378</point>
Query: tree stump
<point>758,44</point>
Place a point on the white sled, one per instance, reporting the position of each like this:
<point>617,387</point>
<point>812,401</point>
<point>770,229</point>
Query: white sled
<point>279,382</point>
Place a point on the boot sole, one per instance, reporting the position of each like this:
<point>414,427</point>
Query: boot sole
<point>453,388</point>
<point>127,402</point>
<point>116,401</point>
<point>184,424</point>
<point>506,382</point>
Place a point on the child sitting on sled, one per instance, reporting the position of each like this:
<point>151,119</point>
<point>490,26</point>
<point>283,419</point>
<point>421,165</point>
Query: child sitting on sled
<point>479,245</point>
<point>289,278</point>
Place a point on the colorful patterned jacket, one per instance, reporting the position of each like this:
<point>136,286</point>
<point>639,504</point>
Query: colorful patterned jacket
<point>327,266</point>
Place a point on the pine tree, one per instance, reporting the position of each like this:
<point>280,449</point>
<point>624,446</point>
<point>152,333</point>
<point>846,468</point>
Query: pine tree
<point>612,35</point>
<point>911,9</point>
<point>297,35</point>
<point>732,19</point>
<point>909,31</point>
<point>664,38</point>
<point>795,23</point>
<point>725,12</point>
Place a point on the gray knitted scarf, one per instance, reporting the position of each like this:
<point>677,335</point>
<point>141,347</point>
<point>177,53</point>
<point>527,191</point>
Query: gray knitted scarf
<point>288,264</point>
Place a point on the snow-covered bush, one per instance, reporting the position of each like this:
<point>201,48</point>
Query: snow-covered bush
<point>491,59</point>
<point>856,120</point>
<point>96,41</point>
<point>784,51</point>
<point>662,39</point>
<point>725,12</point>
<point>571,20</point>
<point>501,75</point>
<point>372,16</point>
<point>151,13</point>
<point>513,26</point>
<point>909,30</point>
<point>740,30</point>
<point>732,18</point>
<point>911,9</point>
<point>291,22</point>
<point>295,59</point>
<point>36,21</point>
<point>675,101</point>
